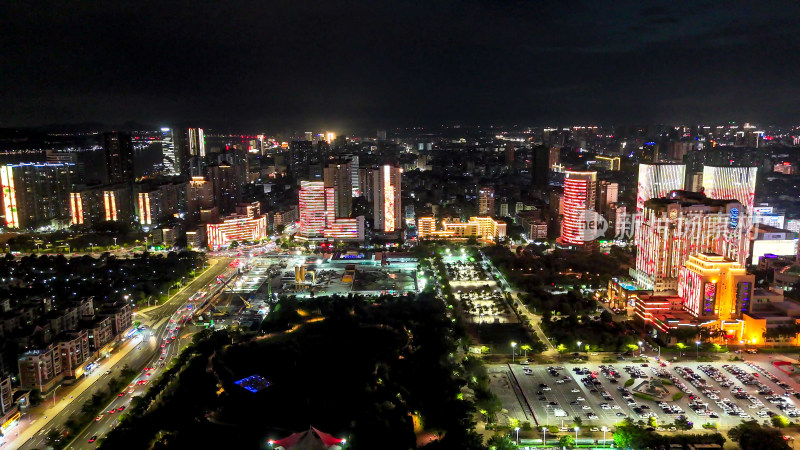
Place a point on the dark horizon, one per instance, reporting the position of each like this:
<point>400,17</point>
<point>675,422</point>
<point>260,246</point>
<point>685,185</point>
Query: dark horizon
<point>371,65</point>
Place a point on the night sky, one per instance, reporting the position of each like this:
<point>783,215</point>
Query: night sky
<point>376,63</point>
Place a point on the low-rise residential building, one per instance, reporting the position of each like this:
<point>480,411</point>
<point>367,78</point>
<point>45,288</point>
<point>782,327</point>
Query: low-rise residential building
<point>100,332</point>
<point>121,317</point>
<point>40,369</point>
<point>74,351</point>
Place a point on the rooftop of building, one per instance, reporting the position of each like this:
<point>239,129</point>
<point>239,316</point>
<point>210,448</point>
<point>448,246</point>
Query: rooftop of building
<point>761,292</point>
<point>794,269</point>
<point>787,310</point>
<point>687,198</point>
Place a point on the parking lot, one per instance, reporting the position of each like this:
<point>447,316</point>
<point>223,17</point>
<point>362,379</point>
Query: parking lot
<point>723,393</point>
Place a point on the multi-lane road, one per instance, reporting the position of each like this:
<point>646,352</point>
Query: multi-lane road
<point>144,350</point>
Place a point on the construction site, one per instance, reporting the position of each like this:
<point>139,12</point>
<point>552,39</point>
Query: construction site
<point>244,297</point>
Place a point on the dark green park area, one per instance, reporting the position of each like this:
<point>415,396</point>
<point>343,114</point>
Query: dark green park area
<point>354,368</point>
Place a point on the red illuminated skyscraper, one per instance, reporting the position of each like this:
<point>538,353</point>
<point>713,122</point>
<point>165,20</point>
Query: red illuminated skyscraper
<point>579,196</point>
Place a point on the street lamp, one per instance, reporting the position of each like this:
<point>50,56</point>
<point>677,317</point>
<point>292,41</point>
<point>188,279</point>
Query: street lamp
<point>115,242</point>
<point>698,349</point>
<point>513,347</point>
<point>640,348</point>
<point>91,246</point>
<point>517,430</point>
<point>604,435</point>
<point>579,345</point>
<point>54,395</point>
<point>544,439</point>
<point>576,435</point>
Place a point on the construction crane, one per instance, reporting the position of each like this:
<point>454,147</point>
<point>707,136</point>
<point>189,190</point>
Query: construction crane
<point>226,286</point>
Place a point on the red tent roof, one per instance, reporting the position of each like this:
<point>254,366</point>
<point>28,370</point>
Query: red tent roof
<point>310,439</point>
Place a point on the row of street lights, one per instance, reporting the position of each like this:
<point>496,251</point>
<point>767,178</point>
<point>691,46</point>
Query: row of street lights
<point>544,439</point>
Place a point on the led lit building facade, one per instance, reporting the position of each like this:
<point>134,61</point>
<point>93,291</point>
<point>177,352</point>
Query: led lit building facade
<point>476,227</point>
<point>345,229</point>
<point>193,151</point>
<point>318,219</point>
<point>714,287</point>
<point>103,203</point>
<point>388,212</point>
<point>486,201</point>
<point>169,151</point>
<point>580,193</point>
<point>36,194</point>
<point>726,183</point>
<point>236,228</point>
<point>658,180</point>
<point>612,163</point>
<point>154,203</point>
<point>312,209</point>
<point>196,142</point>
<point>685,223</point>
<point>425,227</point>
<point>664,313</point>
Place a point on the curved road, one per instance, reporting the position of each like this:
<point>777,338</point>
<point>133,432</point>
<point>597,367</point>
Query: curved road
<point>135,353</point>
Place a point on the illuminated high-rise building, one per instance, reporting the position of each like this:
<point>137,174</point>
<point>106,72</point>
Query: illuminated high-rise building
<point>731,183</point>
<point>388,211</point>
<point>685,223</point>
<point>715,287</point>
<point>196,142</point>
<point>155,203</point>
<point>118,151</point>
<point>117,203</point>
<point>226,190</point>
<point>486,201</point>
<point>36,194</point>
<point>318,219</point>
<point>192,151</point>
<point>354,175</point>
<point>339,177</point>
<point>312,209</point>
<point>658,180</point>
<point>199,197</point>
<point>580,193</point>
<point>169,151</point>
